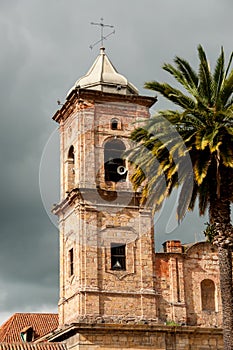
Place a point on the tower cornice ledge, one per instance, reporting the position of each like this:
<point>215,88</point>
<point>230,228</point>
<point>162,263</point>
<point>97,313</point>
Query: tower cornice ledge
<point>141,326</point>
<point>91,197</point>
<point>80,97</point>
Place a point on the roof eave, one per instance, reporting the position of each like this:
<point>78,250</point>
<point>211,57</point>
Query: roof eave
<point>80,94</point>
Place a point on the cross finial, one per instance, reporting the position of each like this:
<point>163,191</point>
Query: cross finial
<point>102,36</point>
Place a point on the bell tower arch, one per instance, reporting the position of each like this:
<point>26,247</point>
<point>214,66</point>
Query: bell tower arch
<point>106,235</point>
<point>114,163</point>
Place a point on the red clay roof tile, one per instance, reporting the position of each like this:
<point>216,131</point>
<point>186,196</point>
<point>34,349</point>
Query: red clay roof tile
<point>33,346</point>
<point>42,323</point>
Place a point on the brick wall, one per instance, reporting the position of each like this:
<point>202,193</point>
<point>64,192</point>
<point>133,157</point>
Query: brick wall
<point>182,279</point>
<point>88,337</point>
<point>102,213</point>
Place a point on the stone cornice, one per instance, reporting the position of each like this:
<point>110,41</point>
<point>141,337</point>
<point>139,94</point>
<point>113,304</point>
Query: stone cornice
<point>85,98</point>
<point>90,199</point>
<point>66,332</point>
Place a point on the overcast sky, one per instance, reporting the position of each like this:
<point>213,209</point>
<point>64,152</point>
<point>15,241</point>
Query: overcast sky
<point>44,49</point>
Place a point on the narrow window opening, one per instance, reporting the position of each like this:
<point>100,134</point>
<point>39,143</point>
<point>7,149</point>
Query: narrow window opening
<point>71,153</point>
<point>208,295</point>
<point>71,171</point>
<point>118,258</point>
<point>71,262</point>
<point>114,164</point>
<point>178,280</point>
<point>114,124</point>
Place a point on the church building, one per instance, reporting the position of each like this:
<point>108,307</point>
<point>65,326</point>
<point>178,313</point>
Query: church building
<point>115,291</point>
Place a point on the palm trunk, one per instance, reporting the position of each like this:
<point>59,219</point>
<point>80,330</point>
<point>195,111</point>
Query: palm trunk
<point>219,213</point>
<point>225,268</point>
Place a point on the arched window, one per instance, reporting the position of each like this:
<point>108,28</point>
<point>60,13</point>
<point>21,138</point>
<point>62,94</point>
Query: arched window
<point>114,124</point>
<point>71,172</point>
<point>208,295</point>
<point>71,153</point>
<point>114,164</point>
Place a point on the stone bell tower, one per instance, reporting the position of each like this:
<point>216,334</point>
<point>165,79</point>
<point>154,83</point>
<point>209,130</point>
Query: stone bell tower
<point>106,235</point>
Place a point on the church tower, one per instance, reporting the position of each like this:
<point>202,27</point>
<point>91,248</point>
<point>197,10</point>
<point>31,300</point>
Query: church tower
<point>106,235</point>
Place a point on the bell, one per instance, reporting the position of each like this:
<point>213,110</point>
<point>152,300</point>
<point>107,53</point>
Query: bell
<point>117,266</point>
<point>121,170</point>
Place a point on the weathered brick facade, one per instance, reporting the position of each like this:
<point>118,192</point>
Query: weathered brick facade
<point>94,214</point>
<point>84,336</point>
<point>115,291</point>
<point>188,280</point>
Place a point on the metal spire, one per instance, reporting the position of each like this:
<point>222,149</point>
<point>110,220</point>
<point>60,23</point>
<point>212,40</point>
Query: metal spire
<point>102,36</point>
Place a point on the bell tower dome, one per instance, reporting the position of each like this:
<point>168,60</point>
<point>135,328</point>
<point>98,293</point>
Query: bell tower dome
<point>106,235</point>
<point>103,76</point>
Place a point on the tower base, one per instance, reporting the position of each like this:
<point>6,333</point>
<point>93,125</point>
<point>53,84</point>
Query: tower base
<point>133,335</point>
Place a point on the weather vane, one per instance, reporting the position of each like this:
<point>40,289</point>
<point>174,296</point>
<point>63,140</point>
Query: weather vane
<point>102,36</point>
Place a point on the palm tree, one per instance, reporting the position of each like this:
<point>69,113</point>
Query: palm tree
<point>192,148</point>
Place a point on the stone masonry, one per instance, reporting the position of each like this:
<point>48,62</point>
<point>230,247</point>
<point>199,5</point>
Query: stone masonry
<point>188,280</point>
<point>115,291</point>
<point>94,214</point>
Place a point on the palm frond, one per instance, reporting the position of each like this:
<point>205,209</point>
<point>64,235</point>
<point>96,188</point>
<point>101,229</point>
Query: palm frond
<point>218,77</point>
<point>187,71</point>
<point>201,166</point>
<point>227,89</point>
<point>226,153</point>
<point>199,139</point>
<point>190,147</point>
<point>229,65</point>
<point>182,78</point>
<point>203,196</point>
<point>208,140</point>
<point>194,197</point>
<point>172,94</point>
<point>205,78</point>
<point>185,196</point>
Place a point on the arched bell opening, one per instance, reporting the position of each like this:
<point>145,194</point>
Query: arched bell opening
<point>114,163</point>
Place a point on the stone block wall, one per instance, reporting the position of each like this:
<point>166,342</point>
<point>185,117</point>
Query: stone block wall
<point>87,129</point>
<point>201,271</point>
<point>94,288</point>
<point>109,336</point>
<point>188,282</point>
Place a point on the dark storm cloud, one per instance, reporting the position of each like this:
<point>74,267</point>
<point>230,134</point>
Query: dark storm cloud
<point>44,49</point>
<point>29,243</point>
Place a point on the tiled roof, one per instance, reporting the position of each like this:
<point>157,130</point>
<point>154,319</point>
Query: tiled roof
<point>33,346</point>
<point>42,323</point>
